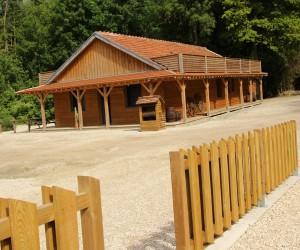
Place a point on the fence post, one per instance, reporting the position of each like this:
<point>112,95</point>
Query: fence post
<point>25,234</point>
<point>0,127</point>
<point>29,124</point>
<point>91,217</point>
<point>245,142</point>
<point>295,148</point>
<point>180,201</point>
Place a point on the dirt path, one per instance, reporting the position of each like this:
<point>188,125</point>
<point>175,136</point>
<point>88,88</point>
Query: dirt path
<point>133,168</point>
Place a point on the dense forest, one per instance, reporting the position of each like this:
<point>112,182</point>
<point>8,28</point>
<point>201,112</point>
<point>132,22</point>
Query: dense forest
<point>39,35</point>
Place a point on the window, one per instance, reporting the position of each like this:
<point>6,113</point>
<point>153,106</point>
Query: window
<point>219,88</point>
<point>74,104</point>
<point>132,93</point>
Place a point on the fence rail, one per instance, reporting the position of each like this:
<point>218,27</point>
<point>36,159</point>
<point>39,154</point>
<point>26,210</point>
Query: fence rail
<point>214,185</point>
<point>19,220</point>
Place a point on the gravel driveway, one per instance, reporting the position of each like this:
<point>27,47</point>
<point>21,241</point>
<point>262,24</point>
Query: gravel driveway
<point>133,168</point>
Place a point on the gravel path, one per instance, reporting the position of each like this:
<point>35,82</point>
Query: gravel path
<point>134,171</point>
<point>278,228</point>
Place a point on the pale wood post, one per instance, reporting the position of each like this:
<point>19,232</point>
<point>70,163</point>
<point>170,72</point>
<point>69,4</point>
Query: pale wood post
<point>79,104</point>
<point>0,127</point>
<point>14,125</point>
<point>261,89</point>
<point>91,217</point>
<point>225,81</point>
<point>206,84</point>
<point>241,92</point>
<point>250,90</point>
<point>42,98</point>
<point>182,87</point>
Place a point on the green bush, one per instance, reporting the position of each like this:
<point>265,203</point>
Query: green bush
<point>7,124</point>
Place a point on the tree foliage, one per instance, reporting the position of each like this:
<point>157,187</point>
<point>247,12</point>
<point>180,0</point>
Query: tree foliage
<point>39,35</point>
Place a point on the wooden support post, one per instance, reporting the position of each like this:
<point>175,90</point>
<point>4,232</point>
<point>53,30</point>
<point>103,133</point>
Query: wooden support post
<point>225,81</point>
<point>261,89</point>
<point>91,217</point>
<point>241,92</point>
<point>182,86</point>
<point>79,104</point>
<point>42,98</point>
<point>207,98</point>
<point>14,125</point>
<point>250,90</point>
<point>151,92</point>
<point>106,107</point>
<point>0,127</point>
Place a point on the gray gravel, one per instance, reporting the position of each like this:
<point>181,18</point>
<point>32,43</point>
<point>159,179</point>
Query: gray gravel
<point>278,228</point>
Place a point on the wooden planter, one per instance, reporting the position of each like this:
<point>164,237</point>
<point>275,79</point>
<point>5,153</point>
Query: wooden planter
<point>152,113</point>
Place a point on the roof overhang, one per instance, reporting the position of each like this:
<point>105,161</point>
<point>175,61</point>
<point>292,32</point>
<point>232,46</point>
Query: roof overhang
<point>129,79</point>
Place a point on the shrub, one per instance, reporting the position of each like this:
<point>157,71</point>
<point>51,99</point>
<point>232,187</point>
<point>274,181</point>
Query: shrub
<point>7,124</point>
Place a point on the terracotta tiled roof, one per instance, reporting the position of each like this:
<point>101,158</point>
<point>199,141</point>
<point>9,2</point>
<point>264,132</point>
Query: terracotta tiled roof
<point>152,48</point>
<point>98,82</point>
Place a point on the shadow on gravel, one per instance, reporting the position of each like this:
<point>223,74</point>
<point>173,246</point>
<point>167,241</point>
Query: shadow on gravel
<point>164,240</point>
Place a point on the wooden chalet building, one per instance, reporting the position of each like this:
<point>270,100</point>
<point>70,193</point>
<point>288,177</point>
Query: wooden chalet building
<point>105,76</point>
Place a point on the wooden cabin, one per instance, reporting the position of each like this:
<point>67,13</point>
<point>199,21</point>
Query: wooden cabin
<point>105,76</point>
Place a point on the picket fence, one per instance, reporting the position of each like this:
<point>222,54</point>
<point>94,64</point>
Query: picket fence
<point>20,220</point>
<point>214,185</point>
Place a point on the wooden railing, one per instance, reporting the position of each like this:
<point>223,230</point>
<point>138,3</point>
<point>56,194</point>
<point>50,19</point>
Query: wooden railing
<point>19,220</point>
<point>206,64</point>
<point>214,185</point>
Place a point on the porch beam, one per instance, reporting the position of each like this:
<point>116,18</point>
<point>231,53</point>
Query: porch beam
<point>109,91</point>
<point>261,89</point>
<point>182,86</point>
<point>79,104</point>
<point>106,107</point>
<point>74,94</point>
<point>241,92</point>
<point>82,94</point>
<point>225,82</point>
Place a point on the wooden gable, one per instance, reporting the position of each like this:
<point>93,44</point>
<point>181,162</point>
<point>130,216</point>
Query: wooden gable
<point>100,59</point>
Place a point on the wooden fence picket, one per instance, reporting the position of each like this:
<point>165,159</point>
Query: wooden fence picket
<point>260,173</point>
<point>245,142</point>
<point>240,175</point>
<point>225,184</point>
<point>252,169</point>
<point>24,225</point>
<point>5,244</point>
<point>65,214</point>
<point>196,200</point>
<point>216,187</point>
<point>233,180</point>
<point>206,193</point>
